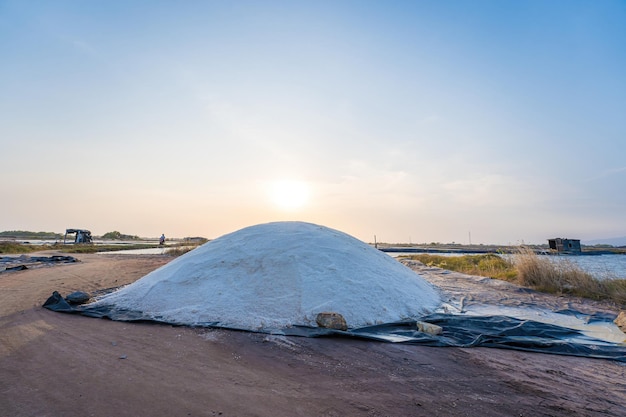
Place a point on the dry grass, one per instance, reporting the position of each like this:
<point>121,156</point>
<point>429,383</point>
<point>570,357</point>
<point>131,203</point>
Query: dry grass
<point>183,248</point>
<point>558,275</point>
<point>16,248</point>
<point>179,250</point>
<point>551,274</point>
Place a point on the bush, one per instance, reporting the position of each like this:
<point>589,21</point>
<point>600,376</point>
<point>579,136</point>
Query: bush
<point>115,235</point>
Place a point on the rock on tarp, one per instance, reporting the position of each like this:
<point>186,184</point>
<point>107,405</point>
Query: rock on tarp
<point>273,276</point>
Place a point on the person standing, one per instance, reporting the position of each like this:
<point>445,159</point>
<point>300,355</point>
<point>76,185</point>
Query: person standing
<point>162,239</point>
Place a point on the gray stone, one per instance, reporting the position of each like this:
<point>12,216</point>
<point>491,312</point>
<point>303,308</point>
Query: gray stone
<point>77,297</point>
<point>330,320</point>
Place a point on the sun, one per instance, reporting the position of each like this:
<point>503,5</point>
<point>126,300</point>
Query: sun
<point>289,194</point>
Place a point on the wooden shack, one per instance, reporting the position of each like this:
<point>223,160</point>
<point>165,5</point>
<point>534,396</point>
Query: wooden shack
<point>565,246</point>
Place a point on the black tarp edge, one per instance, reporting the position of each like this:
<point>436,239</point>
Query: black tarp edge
<point>457,331</point>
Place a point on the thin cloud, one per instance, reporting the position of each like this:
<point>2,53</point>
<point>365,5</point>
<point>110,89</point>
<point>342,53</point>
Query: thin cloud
<point>606,173</point>
<point>81,46</point>
<point>86,48</point>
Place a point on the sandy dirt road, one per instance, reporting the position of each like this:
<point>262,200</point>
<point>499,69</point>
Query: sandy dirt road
<point>54,364</point>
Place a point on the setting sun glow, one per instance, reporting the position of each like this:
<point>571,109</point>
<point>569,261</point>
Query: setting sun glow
<point>289,194</point>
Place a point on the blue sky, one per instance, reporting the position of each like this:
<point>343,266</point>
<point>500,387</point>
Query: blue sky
<point>415,121</point>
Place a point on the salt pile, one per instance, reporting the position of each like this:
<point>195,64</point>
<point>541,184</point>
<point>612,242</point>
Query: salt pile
<point>273,276</point>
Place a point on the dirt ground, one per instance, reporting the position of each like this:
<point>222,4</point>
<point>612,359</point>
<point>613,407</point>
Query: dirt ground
<point>54,364</point>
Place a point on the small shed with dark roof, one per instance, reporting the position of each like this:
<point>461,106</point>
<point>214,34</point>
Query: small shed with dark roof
<point>563,245</point>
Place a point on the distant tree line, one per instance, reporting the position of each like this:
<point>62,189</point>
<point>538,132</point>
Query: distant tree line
<point>27,235</point>
<point>115,235</point>
<point>23,234</point>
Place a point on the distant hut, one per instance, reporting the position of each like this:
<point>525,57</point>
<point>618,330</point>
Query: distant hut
<point>82,235</point>
<point>565,246</point>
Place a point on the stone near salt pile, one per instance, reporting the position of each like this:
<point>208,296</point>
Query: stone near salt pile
<point>329,320</point>
<point>429,328</point>
<point>620,321</point>
<point>77,297</point>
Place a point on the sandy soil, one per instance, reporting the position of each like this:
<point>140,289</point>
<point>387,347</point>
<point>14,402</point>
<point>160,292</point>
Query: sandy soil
<point>54,364</point>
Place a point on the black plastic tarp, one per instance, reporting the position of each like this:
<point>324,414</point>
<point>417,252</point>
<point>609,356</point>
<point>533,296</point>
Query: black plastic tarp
<point>22,262</point>
<point>457,331</point>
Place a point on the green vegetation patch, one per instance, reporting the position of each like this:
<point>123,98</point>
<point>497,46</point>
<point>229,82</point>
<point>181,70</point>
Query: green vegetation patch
<point>489,265</point>
<point>91,248</point>
<point>13,247</point>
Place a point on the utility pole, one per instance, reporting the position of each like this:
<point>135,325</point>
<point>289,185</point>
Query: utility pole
<point>470,238</point>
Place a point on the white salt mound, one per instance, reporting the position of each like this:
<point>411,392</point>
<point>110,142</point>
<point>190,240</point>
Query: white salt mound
<point>276,275</point>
